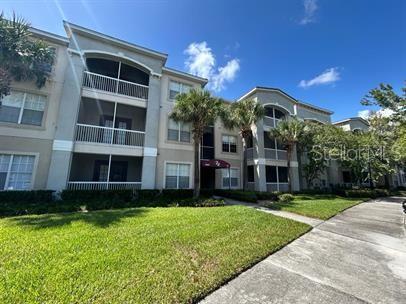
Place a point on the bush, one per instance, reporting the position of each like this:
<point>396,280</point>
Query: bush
<point>25,202</point>
<point>147,194</point>
<point>97,195</point>
<point>286,198</point>
<point>246,196</point>
<point>367,193</point>
<point>272,196</point>
<point>200,202</point>
<point>177,193</point>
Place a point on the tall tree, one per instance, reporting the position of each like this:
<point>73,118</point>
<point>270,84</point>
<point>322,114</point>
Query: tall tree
<point>200,109</point>
<point>385,97</point>
<point>290,132</point>
<point>242,115</point>
<point>21,56</point>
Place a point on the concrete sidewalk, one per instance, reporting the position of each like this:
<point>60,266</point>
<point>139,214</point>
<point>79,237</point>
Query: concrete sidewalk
<point>358,256</point>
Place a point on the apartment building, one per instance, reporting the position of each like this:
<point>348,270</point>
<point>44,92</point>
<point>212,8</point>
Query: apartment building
<point>102,122</point>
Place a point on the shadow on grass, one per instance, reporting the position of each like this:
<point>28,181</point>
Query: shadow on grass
<point>100,219</point>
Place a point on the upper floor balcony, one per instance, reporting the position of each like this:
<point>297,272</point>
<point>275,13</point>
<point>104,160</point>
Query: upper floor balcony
<point>116,77</point>
<point>108,123</point>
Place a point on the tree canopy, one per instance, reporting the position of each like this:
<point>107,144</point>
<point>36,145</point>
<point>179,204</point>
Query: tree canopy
<point>21,56</point>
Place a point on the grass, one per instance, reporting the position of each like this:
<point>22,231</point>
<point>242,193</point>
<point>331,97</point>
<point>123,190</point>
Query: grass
<point>317,206</point>
<point>143,255</point>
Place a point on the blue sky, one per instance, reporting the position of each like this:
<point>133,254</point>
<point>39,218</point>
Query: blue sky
<point>325,52</point>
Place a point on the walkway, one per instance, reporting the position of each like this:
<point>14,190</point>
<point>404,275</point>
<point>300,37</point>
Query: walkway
<point>358,256</point>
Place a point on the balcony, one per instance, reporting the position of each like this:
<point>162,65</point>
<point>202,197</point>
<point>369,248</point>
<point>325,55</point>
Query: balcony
<point>274,154</point>
<point>114,85</point>
<point>104,172</point>
<point>105,135</point>
<point>103,122</point>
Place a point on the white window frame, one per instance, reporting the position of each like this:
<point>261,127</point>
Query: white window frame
<point>229,143</point>
<point>20,115</point>
<point>181,88</point>
<point>34,169</point>
<point>177,176</point>
<point>225,172</point>
<point>179,124</point>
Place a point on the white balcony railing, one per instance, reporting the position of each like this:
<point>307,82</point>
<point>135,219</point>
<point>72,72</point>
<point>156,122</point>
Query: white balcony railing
<point>114,85</point>
<point>104,185</point>
<point>112,136</point>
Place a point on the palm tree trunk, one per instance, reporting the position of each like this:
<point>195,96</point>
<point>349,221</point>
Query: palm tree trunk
<point>196,189</point>
<point>289,157</point>
<point>244,164</point>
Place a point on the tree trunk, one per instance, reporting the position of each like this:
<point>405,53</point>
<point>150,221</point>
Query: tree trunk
<point>289,157</point>
<point>244,164</point>
<point>196,189</point>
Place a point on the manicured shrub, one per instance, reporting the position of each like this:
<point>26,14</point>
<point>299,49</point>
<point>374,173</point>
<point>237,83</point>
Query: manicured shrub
<point>206,192</point>
<point>286,198</point>
<point>239,195</point>
<point>25,202</point>
<point>96,195</point>
<point>367,193</point>
<point>199,202</point>
<point>271,196</point>
<point>147,194</point>
<point>177,193</point>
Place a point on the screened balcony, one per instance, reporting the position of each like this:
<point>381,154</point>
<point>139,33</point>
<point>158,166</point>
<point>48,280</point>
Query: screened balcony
<point>110,123</point>
<point>104,172</point>
<point>116,77</point>
<point>274,149</point>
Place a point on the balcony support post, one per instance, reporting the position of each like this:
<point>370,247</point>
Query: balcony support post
<point>108,172</point>
<point>114,122</point>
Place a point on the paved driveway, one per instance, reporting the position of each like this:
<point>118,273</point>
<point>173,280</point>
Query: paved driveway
<point>358,256</point>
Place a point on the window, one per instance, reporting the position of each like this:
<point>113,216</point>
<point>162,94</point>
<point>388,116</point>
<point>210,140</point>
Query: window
<point>22,108</point>
<point>176,88</point>
<point>233,182</point>
<point>178,131</point>
<point>274,113</point>
<point>16,171</point>
<point>250,174</point>
<point>229,143</point>
<point>276,174</point>
<point>177,176</point>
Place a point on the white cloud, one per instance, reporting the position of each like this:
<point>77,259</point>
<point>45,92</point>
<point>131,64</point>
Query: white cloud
<point>202,62</point>
<point>310,8</point>
<point>365,113</point>
<point>330,75</point>
<point>225,74</point>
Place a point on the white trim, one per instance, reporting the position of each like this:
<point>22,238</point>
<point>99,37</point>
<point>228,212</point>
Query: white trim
<point>259,161</point>
<point>314,119</point>
<point>275,105</point>
<point>149,151</point>
<point>51,36</point>
<point>181,74</point>
<point>70,28</point>
<point>179,163</point>
<point>120,55</point>
<point>62,145</point>
<point>351,119</point>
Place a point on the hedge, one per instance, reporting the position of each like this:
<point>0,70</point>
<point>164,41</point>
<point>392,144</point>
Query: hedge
<point>367,193</point>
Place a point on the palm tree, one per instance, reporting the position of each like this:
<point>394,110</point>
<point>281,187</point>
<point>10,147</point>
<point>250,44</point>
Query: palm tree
<point>22,58</point>
<point>290,132</point>
<point>200,109</point>
<point>242,115</point>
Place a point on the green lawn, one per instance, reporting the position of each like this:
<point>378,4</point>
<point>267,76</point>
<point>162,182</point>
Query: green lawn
<point>144,255</point>
<point>317,206</point>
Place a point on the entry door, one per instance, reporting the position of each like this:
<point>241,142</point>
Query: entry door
<point>121,136</point>
<point>118,171</point>
<point>107,121</point>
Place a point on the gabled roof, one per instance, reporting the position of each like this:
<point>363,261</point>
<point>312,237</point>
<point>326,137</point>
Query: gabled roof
<point>178,73</point>
<point>268,89</point>
<point>340,122</point>
<point>49,36</point>
<point>70,28</point>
